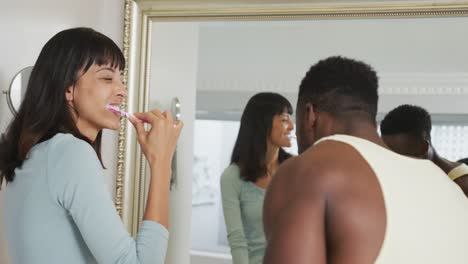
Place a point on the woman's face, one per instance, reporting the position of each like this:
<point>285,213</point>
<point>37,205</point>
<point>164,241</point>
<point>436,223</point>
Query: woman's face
<point>281,130</point>
<point>96,88</point>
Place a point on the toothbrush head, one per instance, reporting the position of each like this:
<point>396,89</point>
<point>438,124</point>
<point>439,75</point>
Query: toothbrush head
<point>115,109</point>
<point>122,113</point>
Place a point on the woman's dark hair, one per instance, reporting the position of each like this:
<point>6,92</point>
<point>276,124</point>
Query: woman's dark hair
<point>255,128</point>
<point>45,111</point>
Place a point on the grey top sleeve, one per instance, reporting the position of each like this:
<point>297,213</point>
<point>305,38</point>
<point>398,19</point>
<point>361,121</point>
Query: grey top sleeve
<point>76,183</point>
<point>230,192</point>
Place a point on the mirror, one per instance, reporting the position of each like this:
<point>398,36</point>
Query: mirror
<point>15,93</point>
<point>215,57</point>
<point>419,61</point>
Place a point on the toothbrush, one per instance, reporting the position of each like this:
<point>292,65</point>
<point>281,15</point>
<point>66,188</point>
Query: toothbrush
<point>116,110</point>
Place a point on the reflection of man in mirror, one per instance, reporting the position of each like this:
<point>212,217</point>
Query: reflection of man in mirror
<point>407,131</point>
<point>349,199</point>
<point>464,161</point>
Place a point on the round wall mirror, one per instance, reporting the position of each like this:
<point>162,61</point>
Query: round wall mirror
<point>15,93</point>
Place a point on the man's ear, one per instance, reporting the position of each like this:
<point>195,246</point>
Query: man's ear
<point>310,116</point>
<point>428,150</point>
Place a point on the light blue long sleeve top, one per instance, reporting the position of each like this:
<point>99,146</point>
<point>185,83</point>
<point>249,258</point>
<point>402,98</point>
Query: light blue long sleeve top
<point>243,214</point>
<point>58,210</point>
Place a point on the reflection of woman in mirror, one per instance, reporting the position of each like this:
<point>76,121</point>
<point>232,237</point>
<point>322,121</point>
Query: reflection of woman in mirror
<point>58,209</point>
<point>265,128</point>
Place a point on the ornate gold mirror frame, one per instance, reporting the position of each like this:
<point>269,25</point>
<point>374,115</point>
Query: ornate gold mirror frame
<point>139,16</point>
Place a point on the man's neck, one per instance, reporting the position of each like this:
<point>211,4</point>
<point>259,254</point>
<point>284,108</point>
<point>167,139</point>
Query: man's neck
<point>443,163</point>
<point>358,128</point>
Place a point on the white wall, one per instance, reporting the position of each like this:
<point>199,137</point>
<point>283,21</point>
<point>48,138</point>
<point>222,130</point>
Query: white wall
<point>174,63</point>
<point>412,57</point>
<point>213,143</point>
<point>25,26</point>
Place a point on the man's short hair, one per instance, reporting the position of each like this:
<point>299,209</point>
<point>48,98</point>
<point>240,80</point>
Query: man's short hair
<point>407,119</point>
<point>337,85</point>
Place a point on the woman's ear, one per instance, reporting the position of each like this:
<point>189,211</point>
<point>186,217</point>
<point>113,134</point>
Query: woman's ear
<point>69,94</point>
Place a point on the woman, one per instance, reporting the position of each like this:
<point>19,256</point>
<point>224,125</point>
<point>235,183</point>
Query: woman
<point>265,128</point>
<point>57,208</point>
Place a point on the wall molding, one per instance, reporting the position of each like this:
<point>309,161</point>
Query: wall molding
<point>390,83</point>
<point>228,105</point>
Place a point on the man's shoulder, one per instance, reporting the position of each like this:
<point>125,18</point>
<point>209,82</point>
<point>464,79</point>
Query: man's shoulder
<point>323,167</point>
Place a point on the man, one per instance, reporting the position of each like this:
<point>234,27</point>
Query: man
<point>407,131</point>
<point>348,199</point>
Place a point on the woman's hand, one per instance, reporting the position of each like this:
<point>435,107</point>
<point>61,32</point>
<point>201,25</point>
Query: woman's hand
<point>159,142</point>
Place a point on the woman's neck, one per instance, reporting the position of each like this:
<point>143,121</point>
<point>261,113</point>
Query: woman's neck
<point>271,158</point>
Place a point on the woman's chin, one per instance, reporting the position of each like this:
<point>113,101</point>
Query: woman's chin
<point>116,126</point>
<point>113,125</point>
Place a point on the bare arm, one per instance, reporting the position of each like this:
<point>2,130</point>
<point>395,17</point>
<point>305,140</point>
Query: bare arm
<point>296,231</point>
<point>158,145</point>
<point>304,219</point>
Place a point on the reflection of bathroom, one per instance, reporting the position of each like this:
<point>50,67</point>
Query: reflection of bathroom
<point>222,96</point>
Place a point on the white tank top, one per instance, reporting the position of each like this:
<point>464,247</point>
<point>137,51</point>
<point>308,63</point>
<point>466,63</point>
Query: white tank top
<point>427,213</point>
